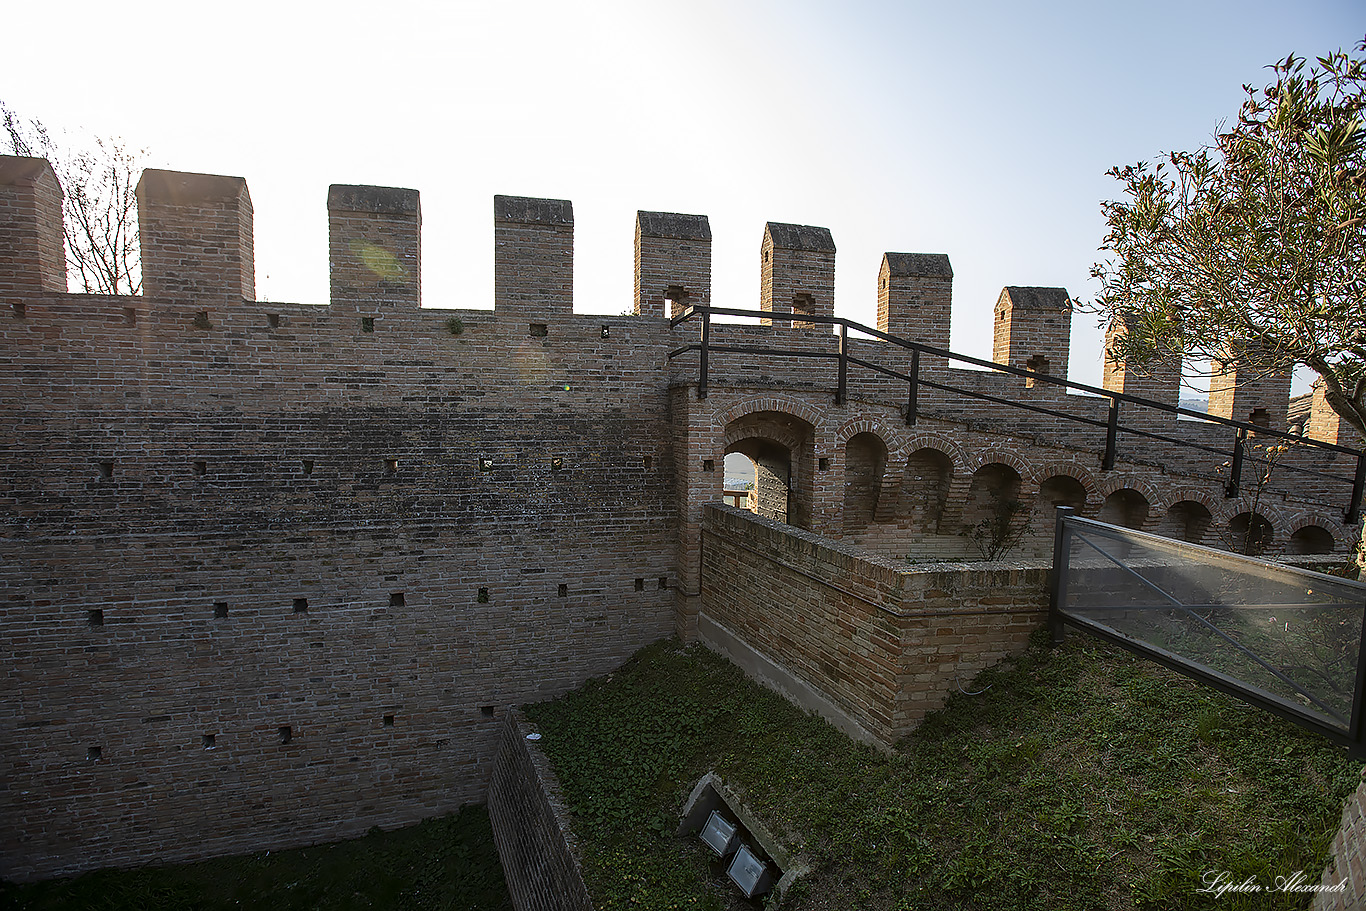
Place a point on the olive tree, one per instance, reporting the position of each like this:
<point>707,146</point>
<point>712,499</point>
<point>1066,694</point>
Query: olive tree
<point>1251,251</point>
<point>99,204</point>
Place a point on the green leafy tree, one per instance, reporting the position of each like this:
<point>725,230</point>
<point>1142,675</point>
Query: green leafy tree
<point>99,204</point>
<point>1251,251</point>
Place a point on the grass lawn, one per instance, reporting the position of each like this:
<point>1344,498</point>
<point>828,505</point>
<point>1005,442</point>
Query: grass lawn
<point>1079,778</point>
<point>448,863</point>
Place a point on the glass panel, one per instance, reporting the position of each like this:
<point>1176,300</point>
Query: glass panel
<point>1290,634</point>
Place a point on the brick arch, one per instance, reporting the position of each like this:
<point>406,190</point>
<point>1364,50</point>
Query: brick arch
<point>1327,521</point>
<point>1200,495</point>
<point>782,455</point>
<point>892,439</point>
<point>863,475</point>
<point>1079,473</point>
<point>1331,524</point>
<point>984,457</point>
<point>958,459</point>
<point>1186,527</point>
<point>1111,484</point>
<point>783,404</point>
<point>782,435</point>
<point>1273,513</point>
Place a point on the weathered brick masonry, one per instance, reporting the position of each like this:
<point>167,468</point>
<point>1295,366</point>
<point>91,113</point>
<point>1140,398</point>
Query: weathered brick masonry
<point>271,572</point>
<point>883,641</point>
<point>540,855</point>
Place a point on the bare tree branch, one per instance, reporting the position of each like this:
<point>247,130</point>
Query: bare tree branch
<point>99,204</point>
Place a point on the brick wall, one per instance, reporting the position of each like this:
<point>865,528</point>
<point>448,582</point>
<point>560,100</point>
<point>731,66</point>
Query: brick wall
<point>539,852</point>
<point>31,239</point>
<point>884,642</point>
<point>1347,860</point>
<point>300,555</point>
<point>797,271</point>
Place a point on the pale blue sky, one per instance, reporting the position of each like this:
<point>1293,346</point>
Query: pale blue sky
<point>980,130</point>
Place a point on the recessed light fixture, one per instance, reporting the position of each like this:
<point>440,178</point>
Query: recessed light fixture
<point>719,834</point>
<point>749,872</point>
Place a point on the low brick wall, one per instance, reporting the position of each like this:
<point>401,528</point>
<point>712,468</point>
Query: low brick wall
<point>531,826</point>
<point>884,642</point>
<point>1344,879</point>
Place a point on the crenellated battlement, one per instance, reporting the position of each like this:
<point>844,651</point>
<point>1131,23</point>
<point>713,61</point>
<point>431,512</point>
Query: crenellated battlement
<point>198,255</point>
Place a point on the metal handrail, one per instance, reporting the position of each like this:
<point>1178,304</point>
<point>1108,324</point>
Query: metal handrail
<point>1112,424</point>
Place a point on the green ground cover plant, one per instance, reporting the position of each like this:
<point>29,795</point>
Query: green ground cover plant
<point>447,863</point>
<point>1079,778</point>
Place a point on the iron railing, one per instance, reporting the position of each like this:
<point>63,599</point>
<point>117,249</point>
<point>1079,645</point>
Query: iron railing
<point>1236,455</point>
<point>1281,638</point>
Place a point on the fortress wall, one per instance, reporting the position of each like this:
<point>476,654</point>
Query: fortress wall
<point>270,571</point>
<point>222,518</point>
<point>253,466</point>
<point>883,643</point>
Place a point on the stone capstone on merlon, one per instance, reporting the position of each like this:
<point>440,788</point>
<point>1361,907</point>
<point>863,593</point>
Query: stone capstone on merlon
<point>903,265</point>
<point>531,211</point>
<point>673,225</point>
<point>380,200</point>
<point>800,237</point>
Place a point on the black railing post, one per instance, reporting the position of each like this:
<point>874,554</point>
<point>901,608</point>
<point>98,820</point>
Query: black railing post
<point>913,396</point>
<point>1056,580</point>
<point>1359,694</point>
<point>706,340</point>
<point>1235,470</point>
<point>1358,488</point>
<point>843,389</point>
<point>1111,436</point>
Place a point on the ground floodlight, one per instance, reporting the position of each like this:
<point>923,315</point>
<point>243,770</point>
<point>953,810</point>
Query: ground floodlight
<point>749,872</point>
<point>719,834</point>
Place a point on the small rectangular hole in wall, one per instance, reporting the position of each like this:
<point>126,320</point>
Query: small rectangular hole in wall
<point>396,599</point>
<point>273,320</point>
<point>649,461</point>
<point>640,585</point>
<point>663,582</point>
<point>285,733</point>
<point>556,464</point>
<point>486,711</point>
<point>485,464</point>
<point>95,617</point>
<point>220,609</point>
<point>201,467</point>
<point>93,754</point>
<point>483,596</point>
<point>823,465</point>
<point>201,320</point>
<point>300,605</point>
<point>388,721</point>
<point>130,316</point>
<point>606,331</point>
<point>20,311</point>
<point>539,330</point>
<point>308,467</point>
<point>564,590</point>
<point>367,324</point>
<point>208,741</point>
<point>106,468</point>
<point>391,466</point>
<point>708,464</point>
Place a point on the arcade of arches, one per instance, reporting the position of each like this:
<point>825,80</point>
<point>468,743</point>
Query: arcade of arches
<point>927,506</point>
